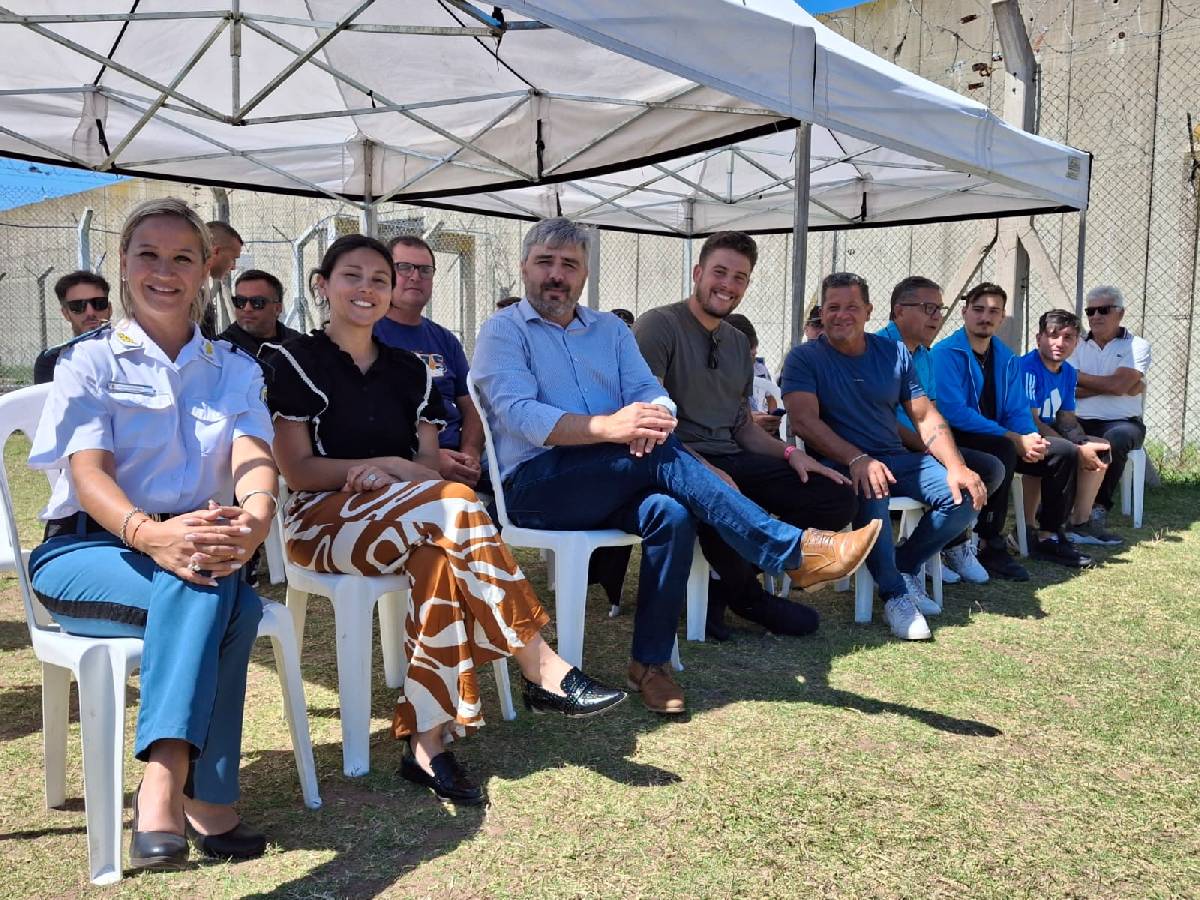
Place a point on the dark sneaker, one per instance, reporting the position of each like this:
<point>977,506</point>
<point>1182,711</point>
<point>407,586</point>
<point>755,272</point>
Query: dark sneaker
<point>1000,565</point>
<point>1059,550</point>
<point>1092,533</point>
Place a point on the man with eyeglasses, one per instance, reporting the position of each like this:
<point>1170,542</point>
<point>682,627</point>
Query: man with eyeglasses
<point>83,302</point>
<point>404,326</point>
<point>1112,363</point>
<point>707,366</point>
<point>257,305</point>
<point>841,392</point>
<point>916,316</point>
<point>982,395</point>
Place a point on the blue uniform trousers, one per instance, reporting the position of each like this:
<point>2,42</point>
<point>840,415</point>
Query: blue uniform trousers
<point>659,496</point>
<point>197,645</point>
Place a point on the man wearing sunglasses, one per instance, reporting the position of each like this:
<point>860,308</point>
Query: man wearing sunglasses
<point>707,366</point>
<point>1112,364</point>
<point>83,302</point>
<point>257,305</point>
<point>917,313</point>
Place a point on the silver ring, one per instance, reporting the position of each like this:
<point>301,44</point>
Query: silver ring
<point>194,566</point>
<point>371,478</point>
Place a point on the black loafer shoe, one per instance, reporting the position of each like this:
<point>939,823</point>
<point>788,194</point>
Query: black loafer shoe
<point>449,780</point>
<point>239,842</point>
<point>1059,550</point>
<point>155,849</point>
<point>999,564</point>
<point>584,696</point>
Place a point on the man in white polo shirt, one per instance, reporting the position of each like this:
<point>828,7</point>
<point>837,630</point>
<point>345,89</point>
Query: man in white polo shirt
<point>1112,365</point>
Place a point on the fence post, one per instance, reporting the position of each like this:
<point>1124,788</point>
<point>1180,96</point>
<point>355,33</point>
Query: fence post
<point>41,284</point>
<point>84,240</point>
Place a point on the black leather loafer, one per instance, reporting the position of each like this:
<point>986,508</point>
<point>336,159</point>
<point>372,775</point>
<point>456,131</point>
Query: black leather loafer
<point>584,696</point>
<point>449,780</point>
<point>239,842</point>
<point>155,849</point>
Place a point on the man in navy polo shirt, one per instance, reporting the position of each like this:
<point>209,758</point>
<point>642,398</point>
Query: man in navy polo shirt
<point>461,441</point>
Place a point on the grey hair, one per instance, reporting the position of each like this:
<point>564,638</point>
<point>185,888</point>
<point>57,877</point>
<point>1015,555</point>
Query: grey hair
<point>557,232</point>
<point>1106,292</point>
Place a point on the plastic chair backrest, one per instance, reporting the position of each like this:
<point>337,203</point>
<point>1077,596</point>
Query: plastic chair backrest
<point>20,411</point>
<point>490,451</point>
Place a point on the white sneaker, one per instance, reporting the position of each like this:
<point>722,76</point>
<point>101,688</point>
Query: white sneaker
<point>916,592</point>
<point>905,620</point>
<point>962,561</point>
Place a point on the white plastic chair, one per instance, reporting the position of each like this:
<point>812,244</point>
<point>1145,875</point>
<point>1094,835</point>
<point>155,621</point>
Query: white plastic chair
<point>864,585</point>
<point>1133,485</point>
<point>572,550</point>
<point>354,598</point>
<point>101,667</point>
<point>1018,504</point>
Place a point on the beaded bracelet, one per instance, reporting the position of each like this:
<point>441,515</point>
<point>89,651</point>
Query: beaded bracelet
<point>125,523</point>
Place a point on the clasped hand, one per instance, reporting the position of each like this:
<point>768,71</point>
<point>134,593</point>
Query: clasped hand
<point>202,546</point>
<point>643,426</point>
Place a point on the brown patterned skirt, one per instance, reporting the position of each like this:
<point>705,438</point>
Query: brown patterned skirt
<point>470,604</point>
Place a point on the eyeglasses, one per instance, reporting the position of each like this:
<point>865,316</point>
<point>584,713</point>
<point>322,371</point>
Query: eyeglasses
<point>1099,310</point>
<point>99,304</point>
<point>930,309</point>
<point>405,269</point>
<point>255,302</point>
<point>714,345</point>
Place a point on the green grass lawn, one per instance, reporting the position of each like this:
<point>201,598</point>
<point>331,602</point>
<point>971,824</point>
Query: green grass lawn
<point>1043,744</point>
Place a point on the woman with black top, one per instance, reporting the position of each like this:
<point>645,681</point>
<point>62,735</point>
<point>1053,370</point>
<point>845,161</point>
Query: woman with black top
<point>356,428</point>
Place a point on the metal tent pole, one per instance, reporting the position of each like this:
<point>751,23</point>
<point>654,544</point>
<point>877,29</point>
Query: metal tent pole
<point>800,188</point>
<point>1079,260</point>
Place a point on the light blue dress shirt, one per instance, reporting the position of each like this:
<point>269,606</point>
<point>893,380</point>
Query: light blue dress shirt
<point>530,372</point>
<point>170,425</point>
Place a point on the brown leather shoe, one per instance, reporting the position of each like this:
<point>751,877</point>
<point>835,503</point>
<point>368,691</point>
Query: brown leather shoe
<point>832,555</point>
<point>659,691</point>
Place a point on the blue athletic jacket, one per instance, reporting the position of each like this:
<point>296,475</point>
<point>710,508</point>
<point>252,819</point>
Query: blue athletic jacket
<point>960,381</point>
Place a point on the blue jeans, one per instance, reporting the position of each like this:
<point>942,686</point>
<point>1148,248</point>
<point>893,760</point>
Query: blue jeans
<point>921,477</point>
<point>197,645</point>
<point>659,496</point>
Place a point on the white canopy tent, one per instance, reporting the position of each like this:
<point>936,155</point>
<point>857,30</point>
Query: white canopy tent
<point>612,112</point>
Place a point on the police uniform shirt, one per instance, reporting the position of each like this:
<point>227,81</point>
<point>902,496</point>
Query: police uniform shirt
<point>169,425</point>
<point>352,414</point>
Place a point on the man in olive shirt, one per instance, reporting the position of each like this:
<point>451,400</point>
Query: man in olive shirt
<point>706,366</point>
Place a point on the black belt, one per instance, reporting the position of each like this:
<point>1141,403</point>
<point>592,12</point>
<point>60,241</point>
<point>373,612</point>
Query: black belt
<point>81,523</point>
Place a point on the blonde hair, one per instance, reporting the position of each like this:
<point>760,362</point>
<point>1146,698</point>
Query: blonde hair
<point>166,206</point>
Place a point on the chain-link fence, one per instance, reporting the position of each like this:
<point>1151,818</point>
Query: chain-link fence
<point>1116,78</point>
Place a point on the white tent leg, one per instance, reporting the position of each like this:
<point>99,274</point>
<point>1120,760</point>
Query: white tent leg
<point>800,229</point>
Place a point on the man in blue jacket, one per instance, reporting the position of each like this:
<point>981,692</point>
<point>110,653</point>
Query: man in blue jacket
<point>981,395</point>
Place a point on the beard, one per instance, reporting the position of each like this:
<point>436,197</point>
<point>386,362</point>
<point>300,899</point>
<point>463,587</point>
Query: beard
<point>550,308</point>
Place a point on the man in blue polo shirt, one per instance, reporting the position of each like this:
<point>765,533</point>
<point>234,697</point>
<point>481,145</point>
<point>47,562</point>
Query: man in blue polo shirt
<point>916,315</point>
<point>841,393</point>
<point>461,441</point>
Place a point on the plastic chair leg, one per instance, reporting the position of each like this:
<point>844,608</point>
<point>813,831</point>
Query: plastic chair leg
<point>1133,485</point>
<point>548,559</point>
<point>504,690</point>
<point>393,609</point>
<point>697,595</point>
<point>56,693</point>
<point>864,595</point>
<point>352,620</point>
<point>676,662</point>
<point>1018,502</point>
<point>102,727</point>
<point>273,549</point>
<point>297,605</point>
<point>570,598</point>
<point>934,568</point>
<point>277,625</point>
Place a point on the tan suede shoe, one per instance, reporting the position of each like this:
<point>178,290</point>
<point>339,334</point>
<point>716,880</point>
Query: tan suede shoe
<point>659,691</point>
<point>832,555</point>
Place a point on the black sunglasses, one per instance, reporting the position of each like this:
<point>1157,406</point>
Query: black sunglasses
<point>714,345</point>
<point>255,302</point>
<point>99,304</point>
<point>1099,310</point>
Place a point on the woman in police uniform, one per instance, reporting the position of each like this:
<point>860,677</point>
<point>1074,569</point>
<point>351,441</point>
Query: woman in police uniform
<point>356,427</point>
<point>169,486</point>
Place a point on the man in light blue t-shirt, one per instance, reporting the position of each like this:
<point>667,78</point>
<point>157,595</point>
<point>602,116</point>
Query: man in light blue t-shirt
<point>841,393</point>
<point>461,441</point>
<point>1050,382</point>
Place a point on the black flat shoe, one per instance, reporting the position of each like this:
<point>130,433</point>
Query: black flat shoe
<point>449,780</point>
<point>584,696</point>
<point>155,849</point>
<point>239,842</point>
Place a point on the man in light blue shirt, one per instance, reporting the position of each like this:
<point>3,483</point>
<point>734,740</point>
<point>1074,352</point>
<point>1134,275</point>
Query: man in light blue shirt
<point>583,436</point>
